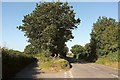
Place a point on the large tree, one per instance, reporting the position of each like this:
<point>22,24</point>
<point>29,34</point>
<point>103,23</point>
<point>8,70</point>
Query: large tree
<point>49,26</point>
<point>104,36</point>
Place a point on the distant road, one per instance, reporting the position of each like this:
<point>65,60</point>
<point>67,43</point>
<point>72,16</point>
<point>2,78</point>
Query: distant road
<point>78,70</point>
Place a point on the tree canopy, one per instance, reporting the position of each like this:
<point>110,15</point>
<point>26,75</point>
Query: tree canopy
<point>104,41</point>
<point>105,36</point>
<point>49,26</point>
<point>77,49</point>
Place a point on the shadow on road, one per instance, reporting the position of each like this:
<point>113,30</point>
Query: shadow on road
<point>73,60</point>
<point>31,71</point>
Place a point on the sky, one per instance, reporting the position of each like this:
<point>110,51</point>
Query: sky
<point>88,12</point>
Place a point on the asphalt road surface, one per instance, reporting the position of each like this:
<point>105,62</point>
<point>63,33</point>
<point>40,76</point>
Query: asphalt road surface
<point>78,70</point>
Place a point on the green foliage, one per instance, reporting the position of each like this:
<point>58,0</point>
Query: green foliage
<point>104,36</point>
<point>65,51</point>
<point>70,55</point>
<point>113,56</point>
<point>86,54</point>
<point>111,59</point>
<point>13,61</point>
<point>105,41</point>
<point>62,63</point>
<point>77,49</point>
<point>50,64</point>
<point>42,57</point>
<point>107,61</point>
<point>29,49</point>
<point>49,26</point>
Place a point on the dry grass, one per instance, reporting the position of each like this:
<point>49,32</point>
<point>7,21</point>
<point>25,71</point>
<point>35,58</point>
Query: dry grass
<point>107,62</point>
<point>49,64</point>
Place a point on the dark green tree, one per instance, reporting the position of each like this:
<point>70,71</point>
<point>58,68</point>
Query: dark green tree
<point>87,48</point>
<point>29,49</point>
<point>89,55</point>
<point>86,54</point>
<point>77,49</point>
<point>66,49</point>
<point>49,26</point>
<point>104,36</point>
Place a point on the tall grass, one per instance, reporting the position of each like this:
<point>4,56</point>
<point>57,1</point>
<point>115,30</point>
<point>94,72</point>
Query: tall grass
<point>111,60</point>
<point>107,62</point>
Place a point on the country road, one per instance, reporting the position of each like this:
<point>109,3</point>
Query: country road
<point>78,70</point>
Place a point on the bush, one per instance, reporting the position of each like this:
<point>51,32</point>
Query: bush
<point>50,64</point>
<point>13,61</point>
<point>62,64</point>
<point>113,56</point>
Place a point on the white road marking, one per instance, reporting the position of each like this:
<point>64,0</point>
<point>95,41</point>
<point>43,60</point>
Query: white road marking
<point>114,75</point>
<point>94,67</point>
<point>65,74</point>
<point>70,74</point>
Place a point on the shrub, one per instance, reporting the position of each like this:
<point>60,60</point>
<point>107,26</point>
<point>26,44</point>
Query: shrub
<point>113,56</point>
<point>50,64</point>
<point>15,60</point>
<point>61,63</point>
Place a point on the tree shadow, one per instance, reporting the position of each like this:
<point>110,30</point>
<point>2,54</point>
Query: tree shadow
<point>31,71</point>
<point>73,60</point>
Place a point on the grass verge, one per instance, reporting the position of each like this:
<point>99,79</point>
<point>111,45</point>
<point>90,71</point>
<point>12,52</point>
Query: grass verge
<point>107,62</point>
<point>50,64</point>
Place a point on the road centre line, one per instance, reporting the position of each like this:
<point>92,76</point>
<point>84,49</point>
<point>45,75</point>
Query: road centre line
<point>70,74</point>
<point>65,74</point>
<point>114,75</point>
<point>94,67</point>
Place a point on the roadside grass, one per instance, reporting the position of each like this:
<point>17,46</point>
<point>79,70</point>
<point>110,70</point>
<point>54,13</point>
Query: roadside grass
<point>106,61</point>
<point>50,64</point>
